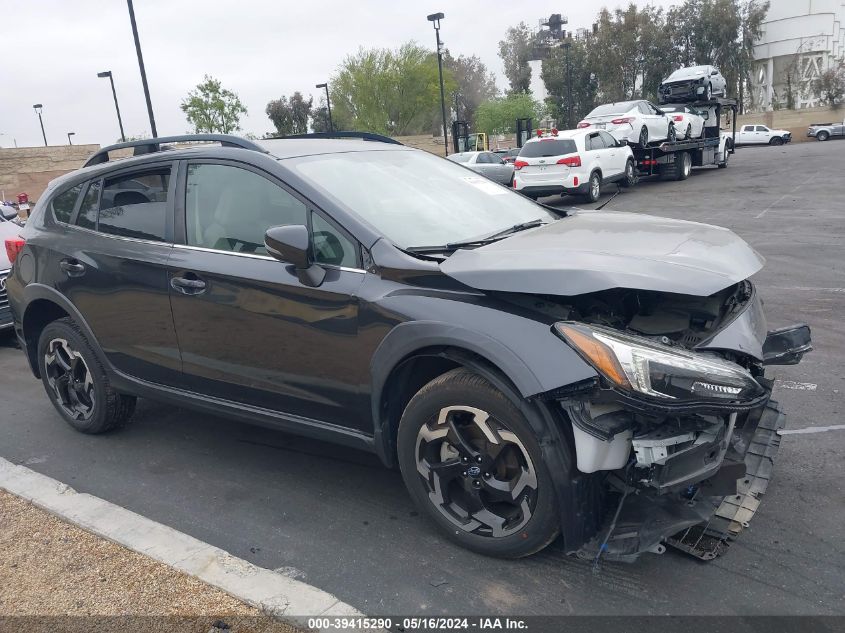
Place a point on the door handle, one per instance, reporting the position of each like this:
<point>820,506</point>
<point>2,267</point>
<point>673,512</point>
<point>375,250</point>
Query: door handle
<point>72,268</point>
<point>188,285</point>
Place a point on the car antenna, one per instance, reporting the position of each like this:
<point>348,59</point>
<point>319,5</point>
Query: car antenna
<point>610,199</point>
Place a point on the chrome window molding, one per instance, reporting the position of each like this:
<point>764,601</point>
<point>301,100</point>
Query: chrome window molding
<point>258,256</point>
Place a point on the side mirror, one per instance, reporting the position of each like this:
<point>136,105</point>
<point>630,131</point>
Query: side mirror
<point>291,244</point>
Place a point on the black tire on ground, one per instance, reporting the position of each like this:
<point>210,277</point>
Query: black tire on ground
<point>822,136</point>
<point>643,140</point>
<point>776,140</point>
<point>593,188</point>
<point>630,178</point>
<point>681,167</point>
<point>460,399</point>
<point>76,382</point>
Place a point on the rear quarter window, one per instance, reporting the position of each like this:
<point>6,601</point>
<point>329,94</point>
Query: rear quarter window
<point>62,205</point>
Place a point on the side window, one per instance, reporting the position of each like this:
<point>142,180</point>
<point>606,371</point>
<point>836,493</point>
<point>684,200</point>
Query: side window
<point>748,128</point>
<point>87,217</point>
<point>762,128</point>
<point>63,204</point>
<point>135,205</point>
<point>330,245</point>
<point>483,158</point>
<point>643,107</point>
<point>595,142</point>
<point>228,208</point>
<point>609,141</point>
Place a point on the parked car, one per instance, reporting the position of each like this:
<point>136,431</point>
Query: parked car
<point>689,122</point>
<point>638,122</point>
<point>574,162</point>
<point>9,229</point>
<point>508,155</point>
<point>694,83</point>
<point>487,164</point>
<point>527,368</point>
<point>824,131</point>
<point>762,135</point>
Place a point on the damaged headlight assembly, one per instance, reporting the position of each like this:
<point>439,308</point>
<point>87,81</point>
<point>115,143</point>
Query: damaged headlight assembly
<point>641,367</point>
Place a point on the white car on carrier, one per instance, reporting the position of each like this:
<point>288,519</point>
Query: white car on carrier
<point>639,122</point>
<point>575,162</point>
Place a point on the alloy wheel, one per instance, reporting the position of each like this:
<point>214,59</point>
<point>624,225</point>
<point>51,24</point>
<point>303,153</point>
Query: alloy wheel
<point>689,131</point>
<point>643,137</point>
<point>595,187</point>
<point>477,472</point>
<point>70,379</point>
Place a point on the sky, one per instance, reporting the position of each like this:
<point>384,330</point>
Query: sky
<point>260,49</point>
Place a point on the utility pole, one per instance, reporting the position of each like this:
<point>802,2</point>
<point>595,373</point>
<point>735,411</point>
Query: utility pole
<point>141,66</point>
<point>568,44</point>
<point>435,18</point>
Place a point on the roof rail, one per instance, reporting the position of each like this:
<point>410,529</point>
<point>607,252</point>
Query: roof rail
<point>152,145</point>
<point>367,136</point>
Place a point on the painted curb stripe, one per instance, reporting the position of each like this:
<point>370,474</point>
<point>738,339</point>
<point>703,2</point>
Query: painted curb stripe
<point>277,595</point>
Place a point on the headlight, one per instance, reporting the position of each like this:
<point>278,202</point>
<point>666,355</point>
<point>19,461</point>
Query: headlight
<point>637,364</point>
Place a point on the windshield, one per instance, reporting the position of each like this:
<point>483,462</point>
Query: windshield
<point>613,108</point>
<point>415,198</point>
<point>550,147</point>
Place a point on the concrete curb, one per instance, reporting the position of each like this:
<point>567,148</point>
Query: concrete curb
<point>279,596</point>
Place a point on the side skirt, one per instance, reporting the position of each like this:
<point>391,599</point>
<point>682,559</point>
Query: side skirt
<point>294,424</point>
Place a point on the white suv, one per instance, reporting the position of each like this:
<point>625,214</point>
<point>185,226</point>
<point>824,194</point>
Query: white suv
<point>572,162</point>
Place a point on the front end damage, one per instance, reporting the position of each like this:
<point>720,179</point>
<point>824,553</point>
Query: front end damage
<point>679,429</point>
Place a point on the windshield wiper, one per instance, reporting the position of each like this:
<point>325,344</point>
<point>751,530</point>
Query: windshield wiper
<point>479,241</point>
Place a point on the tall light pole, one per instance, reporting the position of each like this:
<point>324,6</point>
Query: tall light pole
<point>69,134</point>
<point>107,73</point>
<point>328,104</point>
<point>567,44</point>
<point>37,107</point>
<point>435,18</point>
<point>141,66</point>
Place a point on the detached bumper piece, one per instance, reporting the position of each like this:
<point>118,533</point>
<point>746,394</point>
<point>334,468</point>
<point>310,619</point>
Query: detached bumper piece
<point>786,346</point>
<point>702,518</point>
<point>707,540</point>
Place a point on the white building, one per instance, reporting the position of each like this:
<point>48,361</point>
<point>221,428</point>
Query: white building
<point>801,39</point>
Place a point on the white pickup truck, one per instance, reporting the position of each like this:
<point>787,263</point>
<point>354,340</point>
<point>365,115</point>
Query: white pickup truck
<point>761,135</point>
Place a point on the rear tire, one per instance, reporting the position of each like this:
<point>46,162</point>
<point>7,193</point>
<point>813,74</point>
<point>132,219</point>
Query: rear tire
<point>708,92</point>
<point>630,178</point>
<point>682,166</point>
<point>76,382</point>
<point>671,133</point>
<point>593,188</point>
<point>463,447</point>
<point>822,136</point>
<point>776,140</point>
<point>689,131</point>
<point>643,140</point>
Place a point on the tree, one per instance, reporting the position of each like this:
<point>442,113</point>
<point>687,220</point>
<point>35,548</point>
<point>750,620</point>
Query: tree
<point>211,108</point>
<point>830,87</point>
<point>474,85</point>
<point>584,82</point>
<point>516,50</point>
<point>320,117</point>
<point>290,116</point>
<point>393,92</point>
<point>499,115</point>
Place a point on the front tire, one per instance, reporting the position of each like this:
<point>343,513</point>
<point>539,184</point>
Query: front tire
<point>472,464</point>
<point>822,136</point>
<point>708,92</point>
<point>76,382</point>
<point>776,140</point>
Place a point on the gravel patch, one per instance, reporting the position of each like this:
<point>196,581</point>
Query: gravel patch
<point>55,575</point>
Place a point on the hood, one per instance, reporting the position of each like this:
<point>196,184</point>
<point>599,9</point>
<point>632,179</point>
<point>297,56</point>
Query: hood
<point>590,251</point>
<point>683,74</point>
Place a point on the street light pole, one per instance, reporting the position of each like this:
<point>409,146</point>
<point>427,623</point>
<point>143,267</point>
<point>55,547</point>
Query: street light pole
<point>69,134</point>
<point>568,45</point>
<point>435,18</point>
<point>107,73</point>
<point>37,107</point>
<point>328,104</point>
<point>141,66</point>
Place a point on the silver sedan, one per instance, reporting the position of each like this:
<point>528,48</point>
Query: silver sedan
<point>487,164</point>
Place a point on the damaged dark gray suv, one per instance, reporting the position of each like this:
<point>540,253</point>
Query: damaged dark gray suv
<point>533,372</point>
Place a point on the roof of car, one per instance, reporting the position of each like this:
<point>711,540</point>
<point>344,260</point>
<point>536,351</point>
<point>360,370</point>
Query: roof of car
<point>561,134</point>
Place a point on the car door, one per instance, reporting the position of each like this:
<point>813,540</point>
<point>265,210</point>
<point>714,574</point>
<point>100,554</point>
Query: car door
<point>500,171</point>
<point>656,128</point>
<point>747,135</point>
<point>483,165</point>
<point>616,156</point>
<point>249,330</point>
<point>110,260</point>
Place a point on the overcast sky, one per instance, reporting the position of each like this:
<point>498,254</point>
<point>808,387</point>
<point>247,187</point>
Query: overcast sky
<point>261,49</point>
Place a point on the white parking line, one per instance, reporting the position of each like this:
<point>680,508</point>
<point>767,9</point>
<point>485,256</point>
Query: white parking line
<point>809,288</point>
<point>276,594</point>
<point>799,386</point>
<point>812,429</point>
<point>788,193</point>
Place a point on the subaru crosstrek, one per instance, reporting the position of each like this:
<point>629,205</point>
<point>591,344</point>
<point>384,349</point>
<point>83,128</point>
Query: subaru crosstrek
<point>533,372</point>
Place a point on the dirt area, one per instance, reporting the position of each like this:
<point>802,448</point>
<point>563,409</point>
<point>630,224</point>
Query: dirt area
<point>57,577</point>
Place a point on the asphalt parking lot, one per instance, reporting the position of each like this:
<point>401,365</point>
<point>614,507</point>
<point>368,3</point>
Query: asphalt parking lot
<point>336,519</point>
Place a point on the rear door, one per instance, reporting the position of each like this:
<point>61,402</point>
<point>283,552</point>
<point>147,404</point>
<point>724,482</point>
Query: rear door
<point>747,134</point>
<point>110,259</point>
<point>249,330</point>
<point>616,156</point>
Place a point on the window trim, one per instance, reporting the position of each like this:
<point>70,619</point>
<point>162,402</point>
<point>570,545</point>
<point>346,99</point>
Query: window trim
<point>75,218</point>
<point>181,233</point>
<point>76,203</point>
